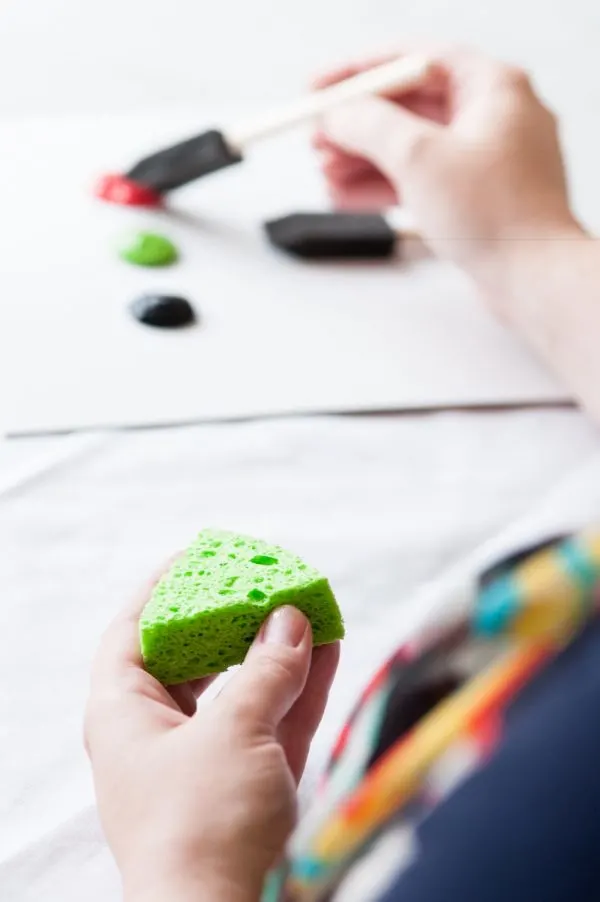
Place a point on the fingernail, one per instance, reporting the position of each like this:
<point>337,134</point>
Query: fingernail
<point>285,626</point>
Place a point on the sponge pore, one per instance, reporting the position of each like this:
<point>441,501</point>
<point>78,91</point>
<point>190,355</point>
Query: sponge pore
<point>206,610</point>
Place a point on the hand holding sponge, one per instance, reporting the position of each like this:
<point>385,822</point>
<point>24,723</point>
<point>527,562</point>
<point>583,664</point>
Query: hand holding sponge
<point>206,610</point>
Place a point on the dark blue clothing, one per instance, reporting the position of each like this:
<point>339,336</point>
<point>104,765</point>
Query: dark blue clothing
<point>526,827</point>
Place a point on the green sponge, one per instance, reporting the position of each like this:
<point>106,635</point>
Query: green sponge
<point>205,612</point>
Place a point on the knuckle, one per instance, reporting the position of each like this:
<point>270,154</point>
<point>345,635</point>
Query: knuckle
<point>270,671</point>
<point>279,667</point>
<point>133,681</point>
<point>417,151</point>
<point>243,714</point>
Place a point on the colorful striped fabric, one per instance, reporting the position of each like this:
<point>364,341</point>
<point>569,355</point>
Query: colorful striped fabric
<point>434,711</point>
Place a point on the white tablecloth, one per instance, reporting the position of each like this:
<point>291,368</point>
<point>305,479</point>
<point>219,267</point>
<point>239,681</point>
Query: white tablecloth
<point>381,504</point>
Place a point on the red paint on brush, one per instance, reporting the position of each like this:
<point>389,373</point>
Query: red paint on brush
<point>118,189</point>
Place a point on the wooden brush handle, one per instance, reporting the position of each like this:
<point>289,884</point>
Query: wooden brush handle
<point>400,75</point>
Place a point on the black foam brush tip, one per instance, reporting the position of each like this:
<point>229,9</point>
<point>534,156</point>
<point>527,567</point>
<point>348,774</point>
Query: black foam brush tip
<point>184,162</point>
<point>331,236</point>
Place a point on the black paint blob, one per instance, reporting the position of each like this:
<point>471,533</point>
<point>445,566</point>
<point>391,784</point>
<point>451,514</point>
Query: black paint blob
<point>166,311</point>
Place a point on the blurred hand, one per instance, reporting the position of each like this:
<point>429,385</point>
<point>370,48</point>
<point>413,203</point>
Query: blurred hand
<point>473,154</point>
<point>199,804</point>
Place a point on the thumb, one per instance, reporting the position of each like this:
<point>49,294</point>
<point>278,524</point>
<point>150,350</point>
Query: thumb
<point>275,671</point>
<point>382,132</point>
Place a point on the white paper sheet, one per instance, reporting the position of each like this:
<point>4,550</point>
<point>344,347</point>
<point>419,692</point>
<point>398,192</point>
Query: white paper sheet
<point>276,335</point>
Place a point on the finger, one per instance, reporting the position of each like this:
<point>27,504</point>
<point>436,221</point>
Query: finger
<point>432,84</point>
<point>183,696</point>
<point>199,686</point>
<point>118,675</point>
<point>348,70</point>
<point>353,182</point>
<point>320,141</point>
<point>438,109</point>
<point>119,650</point>
<point>383,133</point>
<point>329,152</point>
<point>274,673</point>
<point>455,69</point>
<point>335,162</point>
<point>344,167</point>
<point>367,190</point>
<point>472,75</point>
<point>374,193</point>
<point>300,724</point>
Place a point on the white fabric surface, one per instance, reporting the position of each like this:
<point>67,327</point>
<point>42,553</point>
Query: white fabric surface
<point>381,504</point>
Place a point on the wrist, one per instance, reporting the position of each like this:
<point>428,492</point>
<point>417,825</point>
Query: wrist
<point>504,274</point>
<point>200,887</point>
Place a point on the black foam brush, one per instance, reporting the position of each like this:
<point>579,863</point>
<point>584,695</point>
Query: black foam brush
<point>216,149</point>
<point>337,236</point>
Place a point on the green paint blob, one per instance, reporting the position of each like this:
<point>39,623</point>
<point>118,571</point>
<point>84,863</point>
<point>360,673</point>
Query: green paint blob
<point>148,249</point>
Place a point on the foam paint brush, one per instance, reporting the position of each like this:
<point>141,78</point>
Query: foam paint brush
<point>340,235</point>
<point>151,178</point>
